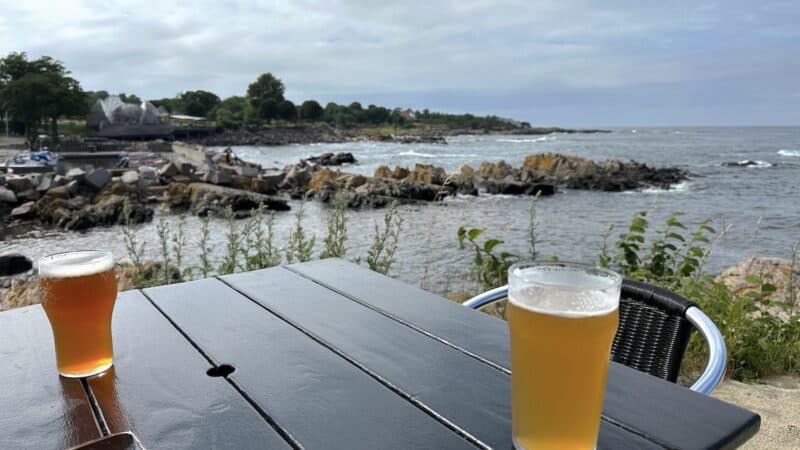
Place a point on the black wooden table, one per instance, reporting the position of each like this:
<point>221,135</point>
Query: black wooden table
<point>325,355</point>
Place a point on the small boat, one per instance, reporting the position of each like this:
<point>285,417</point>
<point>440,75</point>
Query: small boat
<point>31,162</point>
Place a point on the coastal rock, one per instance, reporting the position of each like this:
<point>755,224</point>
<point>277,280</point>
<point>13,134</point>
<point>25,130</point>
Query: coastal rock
<point>322,178</point>
<point>18,184</point>
<point>466,171</point>
<point>428,174</point>
<point>400,172</point>
<point>14,264</point>
<point>76,173</point>
<point>219,178</point>
<point>383,172</point>
<point>168,170</point>
<point>7,196</point>
<point>775,271</point>
<point>246,171</point>
<point>107,210</point>
<point>331,159</point>
<point>24,211</point>
<point>130,177</point>
<point>419,139</point>
<point>297,177</point>
<point>179,196</point>
<point>185,168</point>
<point>45,182</point>
<point>97,179</point>
<point>211,199</point>
<point>273,178</point>
<point>241,182</point>
<point>65,191</point>
<point>30,195</point>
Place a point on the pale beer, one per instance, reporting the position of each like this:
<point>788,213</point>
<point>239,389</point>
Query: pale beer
<point>562,321</point>
<point>78,292</point>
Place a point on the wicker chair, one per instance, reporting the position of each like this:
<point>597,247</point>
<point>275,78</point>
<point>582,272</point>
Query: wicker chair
<point>654,330</point>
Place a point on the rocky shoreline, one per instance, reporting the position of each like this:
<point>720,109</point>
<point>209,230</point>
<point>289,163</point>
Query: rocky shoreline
<point>322,133</point>
<point>203,182</point>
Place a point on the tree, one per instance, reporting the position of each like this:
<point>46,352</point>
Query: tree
<point>34,91</point>
<point>268,109</point>
<point>199,103</point>
<point>287,110</point>
<point>266,89</point>
<point>230,112</point>
<point>310,110</point>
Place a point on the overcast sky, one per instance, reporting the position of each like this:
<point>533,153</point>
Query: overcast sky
<point>559,62</point>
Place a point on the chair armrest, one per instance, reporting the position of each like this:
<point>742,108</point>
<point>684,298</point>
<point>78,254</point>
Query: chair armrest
<point>487,297</point>
<point>717,352</point>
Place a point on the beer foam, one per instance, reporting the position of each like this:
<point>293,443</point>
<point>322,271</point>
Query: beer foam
<point>75,264</point>
<point>563,291</point>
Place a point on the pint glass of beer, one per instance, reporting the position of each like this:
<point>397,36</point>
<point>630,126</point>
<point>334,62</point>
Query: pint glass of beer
<point>78,292</point>
<point>562,320</point>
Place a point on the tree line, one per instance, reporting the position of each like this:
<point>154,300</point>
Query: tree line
<point>35,94</point>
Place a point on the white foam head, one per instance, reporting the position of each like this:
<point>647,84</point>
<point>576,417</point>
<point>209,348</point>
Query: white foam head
<point>75,264</point>
<point>565,290</point>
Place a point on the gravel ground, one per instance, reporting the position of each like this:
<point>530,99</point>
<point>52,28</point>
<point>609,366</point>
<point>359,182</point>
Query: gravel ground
<point>777,400</point>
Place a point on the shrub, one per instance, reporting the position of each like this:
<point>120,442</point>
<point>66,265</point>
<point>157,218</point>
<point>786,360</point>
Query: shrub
<point>381,254</point>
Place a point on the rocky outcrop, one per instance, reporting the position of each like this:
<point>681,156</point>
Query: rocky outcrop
<point>332,159</point>
<point>14,264</point>
<point>204,199</point>
<point>775,271</point>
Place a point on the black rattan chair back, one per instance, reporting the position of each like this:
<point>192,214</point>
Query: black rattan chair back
<point>653,331</point>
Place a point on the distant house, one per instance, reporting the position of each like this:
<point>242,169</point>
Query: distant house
<point>408,114</point>
<point>112,118</point>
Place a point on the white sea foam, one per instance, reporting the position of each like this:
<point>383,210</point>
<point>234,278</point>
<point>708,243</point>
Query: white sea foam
<point>787,152</point>
<point>563,291</point>
<point>522,140</point>
<point>75,264</point>
<point>683,186</point>
<point>421,155</point>
<point>758,164</point>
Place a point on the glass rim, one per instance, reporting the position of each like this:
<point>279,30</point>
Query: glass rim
<point>99,258</point>
<point>592,269</point>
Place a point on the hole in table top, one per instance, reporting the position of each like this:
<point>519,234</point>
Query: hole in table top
<point>222,370</point>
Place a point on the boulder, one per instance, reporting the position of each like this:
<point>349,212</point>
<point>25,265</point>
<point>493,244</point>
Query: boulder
<point>14,264</point>
<point>130,177</point>
<point>428,174</point>
<point>510,186</point>
<point>323,178</point>
<point>76,173</point>
<point>2,179</point>
<point>261,186</point>
<point>775,271</point>
<point>218,177</point>
<point>25,211</point>
<point>383,172</point>
<point>466,171</point>
<point>501,170</point>
<point>18,184</point>
<point>273,178</point>
<point>65,191</point>
<point>185,168</point>
<point>45,182</point>
<point>107,210</point>
<point>168,170</point>
<point>179,196</point>
<point>97,179</point>
<point>211,199</point>
<point>7,195</point>
<point>297,177</point>
<point>59,180</point>
<point>247,171</point>
<point>330,159</point>
<point>353,180</point>
<point>400,172</point>
<point>30,195</point>
<point>241,182</point>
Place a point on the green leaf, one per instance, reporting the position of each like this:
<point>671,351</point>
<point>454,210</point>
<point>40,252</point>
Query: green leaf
<point>676,236</point>
<point>768,288</point>
<point>475,233</point>
<point>491,244</point>
<point>506,255</point>
<point>673,222</point>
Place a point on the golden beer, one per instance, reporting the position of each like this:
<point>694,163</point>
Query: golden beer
<point>78,291</point>
<point>562,321</point>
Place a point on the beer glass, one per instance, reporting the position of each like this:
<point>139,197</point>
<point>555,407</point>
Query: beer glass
<point>78,291</point>
<point>562,320</point>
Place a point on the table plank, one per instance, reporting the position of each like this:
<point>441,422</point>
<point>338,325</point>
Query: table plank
<point>481,335</point>
<point>38,408</point>
<point>646,405</point>
<point>321,399</point>
<point>473,396</point>
<point>158,388</point>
